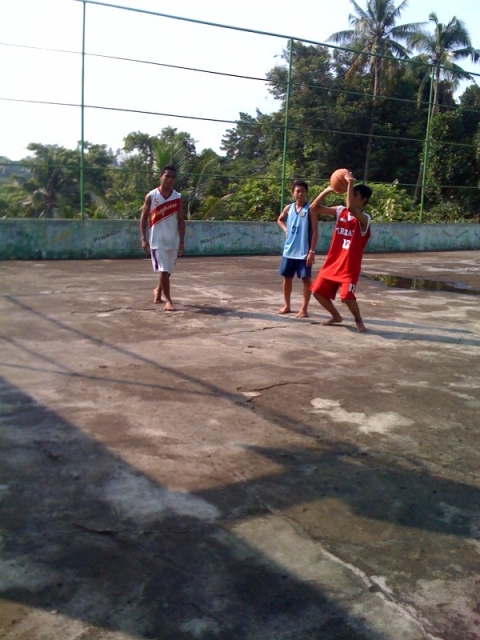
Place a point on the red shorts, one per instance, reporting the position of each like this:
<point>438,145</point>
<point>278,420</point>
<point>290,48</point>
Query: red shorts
<point>328,288</point>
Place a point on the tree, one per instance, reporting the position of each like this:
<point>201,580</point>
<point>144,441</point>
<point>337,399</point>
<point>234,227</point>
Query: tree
<point>51,187</point>
<point>129,182</point>
<point>470,108</point>
<point>245,145</point>
<point>453,169</point>
<point>259,197</point>
<point>52,184</point>
<point>10,169</point>
<point>311,106</point>
<point>195,196</point>
<point>440,49</point>
<point>375,33</point>
<point>137,173</point>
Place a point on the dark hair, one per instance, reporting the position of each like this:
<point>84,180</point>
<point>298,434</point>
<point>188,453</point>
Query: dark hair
<point>363,190</point>
<point>168,167</point>
<point>300,183</point>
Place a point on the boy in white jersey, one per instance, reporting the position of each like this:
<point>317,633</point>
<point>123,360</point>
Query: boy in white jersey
<point>164,211</point>
<point>300,225</point>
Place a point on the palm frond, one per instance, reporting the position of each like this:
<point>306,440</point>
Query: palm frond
<point>219,210</point>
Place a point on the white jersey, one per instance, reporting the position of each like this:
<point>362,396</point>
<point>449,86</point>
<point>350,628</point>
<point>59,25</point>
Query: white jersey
<point>164,220</point>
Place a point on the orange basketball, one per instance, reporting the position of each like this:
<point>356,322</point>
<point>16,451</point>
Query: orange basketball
<point>338,181</point>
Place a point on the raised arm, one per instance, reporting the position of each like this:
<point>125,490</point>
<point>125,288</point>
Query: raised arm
<point>318,208</point>
<point>143,224</point>
<point>351,202</point>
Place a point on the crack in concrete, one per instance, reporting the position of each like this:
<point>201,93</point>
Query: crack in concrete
<point>372,586</point>
<point>271,386</point>
<point>236,333</point>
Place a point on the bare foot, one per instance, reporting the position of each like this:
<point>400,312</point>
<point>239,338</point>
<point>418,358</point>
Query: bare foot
<point>361,328</point>
<point>333,320</point>
<point>157,296</point>
<point>169,306</point>
<point>285,309</point>
<point>302,314</point>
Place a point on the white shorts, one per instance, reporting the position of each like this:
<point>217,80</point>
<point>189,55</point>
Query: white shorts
<point>164,259</point>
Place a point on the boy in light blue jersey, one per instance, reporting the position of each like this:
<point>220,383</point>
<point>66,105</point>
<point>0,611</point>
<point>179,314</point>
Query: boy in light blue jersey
<point>300,225</point>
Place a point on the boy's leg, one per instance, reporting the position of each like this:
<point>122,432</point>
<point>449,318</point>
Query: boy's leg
<point>287,294</point>
<point>163,263</point>
<point>165,287</point>
<point>327,288</point>
<point>307,283</point>
<point>330,307</point>
<point>355,311</point>
<point>157,293</point>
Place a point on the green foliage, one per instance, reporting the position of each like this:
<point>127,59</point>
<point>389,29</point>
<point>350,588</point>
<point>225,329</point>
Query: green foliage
<point>255,199</point>
<point>389,203</point>
<point>453,167</point>
<point>9,170</point>
<point>470,110</point>
<point>11,197</point>
<point>47,183</point>
<point>375,33</point>
<point>259,198</point>
<point>130,180</point>
<point>448,211</point>
<point>346,109</point>
<point>440,48</point>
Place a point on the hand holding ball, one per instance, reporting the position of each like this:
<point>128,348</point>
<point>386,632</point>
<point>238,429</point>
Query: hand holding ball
<point>338,180</point>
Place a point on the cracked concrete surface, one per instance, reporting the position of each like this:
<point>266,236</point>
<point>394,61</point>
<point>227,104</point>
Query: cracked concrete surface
<point>224,472</point>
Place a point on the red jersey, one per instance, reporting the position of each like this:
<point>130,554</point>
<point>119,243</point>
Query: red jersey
<point>344,257</point>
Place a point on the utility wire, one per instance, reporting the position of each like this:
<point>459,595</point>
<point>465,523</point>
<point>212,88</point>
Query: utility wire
<point>301,85</point>
<point>235,122</point>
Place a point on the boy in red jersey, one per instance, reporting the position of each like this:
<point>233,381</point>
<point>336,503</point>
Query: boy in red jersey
<point>341,269</point>
<point>163,211</point>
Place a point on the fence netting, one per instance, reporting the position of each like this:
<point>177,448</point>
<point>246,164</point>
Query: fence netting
<point>407,124</point>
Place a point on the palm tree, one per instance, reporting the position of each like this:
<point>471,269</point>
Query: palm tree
<point>50,183</point>
<point>440,50</point>
<point>375,33</point>
<point>194,176</point>
<point>204,172</point>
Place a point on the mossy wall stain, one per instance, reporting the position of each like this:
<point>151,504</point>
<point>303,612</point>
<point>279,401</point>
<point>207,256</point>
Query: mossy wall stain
<point>22,239</point>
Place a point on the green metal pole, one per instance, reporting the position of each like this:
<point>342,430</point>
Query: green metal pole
<point>82,126</point>
<point>285,135</point>
<point>426,147</point>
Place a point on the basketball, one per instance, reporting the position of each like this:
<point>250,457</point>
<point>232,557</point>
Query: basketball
<point>338,181</point>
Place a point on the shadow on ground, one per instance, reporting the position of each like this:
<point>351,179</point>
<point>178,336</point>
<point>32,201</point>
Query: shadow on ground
<point>87,535</point>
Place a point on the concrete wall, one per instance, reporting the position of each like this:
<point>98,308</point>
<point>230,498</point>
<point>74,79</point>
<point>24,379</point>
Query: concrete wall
<point>22,239</point>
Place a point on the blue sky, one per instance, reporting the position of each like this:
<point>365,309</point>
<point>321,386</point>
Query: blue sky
<point>32,74</point>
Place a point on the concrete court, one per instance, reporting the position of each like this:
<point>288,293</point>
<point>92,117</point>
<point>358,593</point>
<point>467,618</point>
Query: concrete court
<point>226,473</point>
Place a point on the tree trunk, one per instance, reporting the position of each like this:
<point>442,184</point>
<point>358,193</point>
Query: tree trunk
<point>436,106</point>
<point>366,167</point>
<point>416,197</point>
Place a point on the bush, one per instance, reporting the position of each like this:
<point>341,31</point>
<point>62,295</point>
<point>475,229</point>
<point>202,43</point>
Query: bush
<point>389,203</point>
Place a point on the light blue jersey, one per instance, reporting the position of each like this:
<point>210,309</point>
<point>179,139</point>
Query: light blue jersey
<point>299,232</point>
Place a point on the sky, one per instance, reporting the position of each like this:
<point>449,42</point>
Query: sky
<point>27,72</point>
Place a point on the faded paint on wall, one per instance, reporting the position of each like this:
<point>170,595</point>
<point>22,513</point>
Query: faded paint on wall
<point>22,239</point>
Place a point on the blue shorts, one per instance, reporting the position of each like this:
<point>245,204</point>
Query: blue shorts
<point>291,266</point>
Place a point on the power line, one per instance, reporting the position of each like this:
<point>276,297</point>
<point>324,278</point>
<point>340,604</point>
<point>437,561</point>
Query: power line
<point>235,122</point>
<point>301,85</point>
